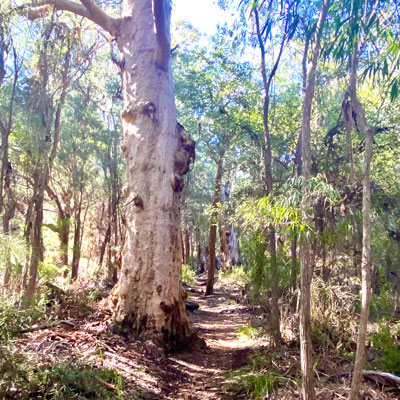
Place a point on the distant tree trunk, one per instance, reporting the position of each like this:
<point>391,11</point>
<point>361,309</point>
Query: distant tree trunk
<point>348,123</point>
<point>213,228</point>
<point>62,229</point>
<point>114,204</point>
<point>6,168</point>
<point>228,241</point>
<point>294,269</point>
<point>64,226</point>
<point>191,250</point>
<point>8,215</point>
<point>297,160</point>
<point>76,250</point>
<point>305,245</point>
<point>103,246</point>
<point>187,245</point>
<point>368,132</point>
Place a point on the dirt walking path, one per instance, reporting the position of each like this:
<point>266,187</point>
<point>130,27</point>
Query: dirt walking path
<point>217,321</point>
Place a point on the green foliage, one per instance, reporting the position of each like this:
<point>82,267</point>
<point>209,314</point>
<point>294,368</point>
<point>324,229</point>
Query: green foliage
<point>238,274</point>
<point>13,251</point>
<point>255,330</point>
<point>188,275</point>
<point>13,318</point>
<point>387,347</point>
<point>48,270</point>
<point>334,321</point>
<point>256,381</point>
<point>382,302</point>
<point>25,380</point>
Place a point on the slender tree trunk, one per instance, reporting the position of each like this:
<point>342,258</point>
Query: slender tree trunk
<point>103,247</point>
<point>187,245</point>
<point>114,206</point>
<point>275,313</point>
<point>368,132</point>
<point>297,160</point>
<point>6,168</point>
<point>36,244</point>
<point>151,300</point>
<point>8,215</point>
<point>76,250</point>
<point>271,233</point>
<point>348,123</point>
<point>213,229</point>
<point>191,249</point>
<point>305,243</point>
<point>64,227</point>
<point>295,268</point>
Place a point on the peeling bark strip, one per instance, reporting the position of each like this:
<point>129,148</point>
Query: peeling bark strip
<point>183,157</point>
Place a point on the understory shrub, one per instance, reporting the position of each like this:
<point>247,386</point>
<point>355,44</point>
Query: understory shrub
<point>20,379</point>
<point>238,274</point>
<point>188,275</point>
<point>387,347</point>
<point>13,318</point>
<point>256,381</point>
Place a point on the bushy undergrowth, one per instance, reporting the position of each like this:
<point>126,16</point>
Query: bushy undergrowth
<point>238,274</point>
<point>256,381</point>
<point>14,318</point>
<point>387,347</point>
<point>22,380</point>
<point>188,275</point>
<point>334,320</point>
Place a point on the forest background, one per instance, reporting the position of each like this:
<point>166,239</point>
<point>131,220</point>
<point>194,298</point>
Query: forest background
<point>264,201</point>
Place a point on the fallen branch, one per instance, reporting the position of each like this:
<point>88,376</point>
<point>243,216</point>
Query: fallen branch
<point>382,377</point>
<point>38,327</point>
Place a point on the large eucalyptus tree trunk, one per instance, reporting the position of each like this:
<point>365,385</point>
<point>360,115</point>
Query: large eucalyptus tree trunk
<point>158,152</point>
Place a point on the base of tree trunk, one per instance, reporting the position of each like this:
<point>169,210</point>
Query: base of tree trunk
<point>181,339</point>
<point>175,334</point>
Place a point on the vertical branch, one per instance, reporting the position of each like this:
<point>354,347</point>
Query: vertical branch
<point>163,38</point>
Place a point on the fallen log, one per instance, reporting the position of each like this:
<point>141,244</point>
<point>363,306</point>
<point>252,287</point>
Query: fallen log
<point>383,378</point>
<point>38,327</point>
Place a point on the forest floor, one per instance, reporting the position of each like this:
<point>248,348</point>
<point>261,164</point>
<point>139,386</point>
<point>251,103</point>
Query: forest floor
<point>83,336</point>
